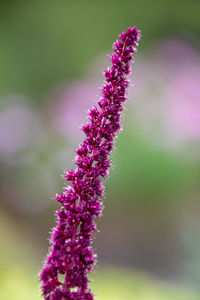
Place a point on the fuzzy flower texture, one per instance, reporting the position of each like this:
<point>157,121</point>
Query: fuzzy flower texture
<point>71,257</point>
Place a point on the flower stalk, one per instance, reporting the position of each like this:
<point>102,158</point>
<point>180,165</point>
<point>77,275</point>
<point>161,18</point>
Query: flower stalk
<point>71,257</point>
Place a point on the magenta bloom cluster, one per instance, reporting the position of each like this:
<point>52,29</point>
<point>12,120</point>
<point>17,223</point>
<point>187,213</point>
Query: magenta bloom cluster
<point>71,257</point>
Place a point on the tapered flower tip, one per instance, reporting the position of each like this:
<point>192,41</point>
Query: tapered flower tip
<point>132,34</point>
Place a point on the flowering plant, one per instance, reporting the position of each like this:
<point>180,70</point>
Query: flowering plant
<point>71,255</point>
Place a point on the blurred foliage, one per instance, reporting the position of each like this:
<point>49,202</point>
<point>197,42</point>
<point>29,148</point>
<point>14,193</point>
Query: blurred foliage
<point>46,42</point>
<point>155,177</point>
<point>18,274</point>
<point>109,284</point>
<point>119,284</point>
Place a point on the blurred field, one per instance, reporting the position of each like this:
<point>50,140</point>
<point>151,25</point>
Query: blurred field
<point>109,284</point>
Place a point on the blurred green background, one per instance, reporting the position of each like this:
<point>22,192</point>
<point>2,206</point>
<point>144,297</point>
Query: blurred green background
<point>52,54</point>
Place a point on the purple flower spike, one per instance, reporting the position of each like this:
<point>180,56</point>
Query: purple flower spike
<point>71,257</point>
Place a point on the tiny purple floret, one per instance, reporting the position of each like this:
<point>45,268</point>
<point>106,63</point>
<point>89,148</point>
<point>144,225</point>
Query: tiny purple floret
<point>71,257</point>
